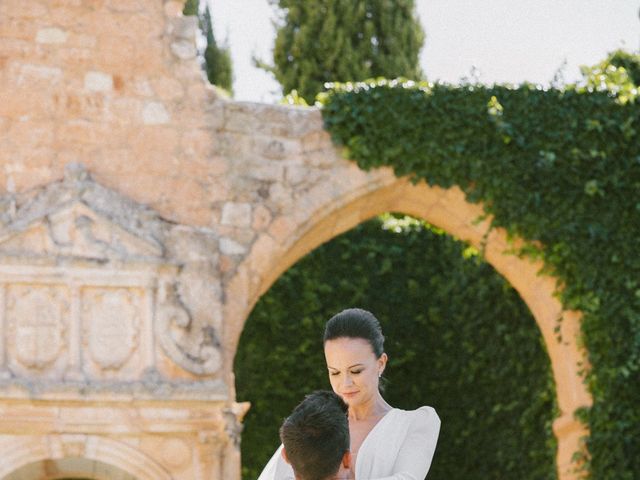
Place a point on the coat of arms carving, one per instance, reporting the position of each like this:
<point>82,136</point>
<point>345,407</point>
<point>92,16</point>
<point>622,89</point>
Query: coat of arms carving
<point>91,282</point>
<point>112,318</point>
<point>36,316</point>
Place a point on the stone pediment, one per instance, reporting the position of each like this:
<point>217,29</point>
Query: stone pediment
<point>76,231</point>
<point>96,287</point>
<point>79,218</point>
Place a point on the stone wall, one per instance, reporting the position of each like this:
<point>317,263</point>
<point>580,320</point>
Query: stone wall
<point>141,217</point>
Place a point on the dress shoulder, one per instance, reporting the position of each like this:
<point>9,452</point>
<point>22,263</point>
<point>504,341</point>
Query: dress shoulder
<point>401,447</point>
<point>423,420</point>
<point>421,414</point>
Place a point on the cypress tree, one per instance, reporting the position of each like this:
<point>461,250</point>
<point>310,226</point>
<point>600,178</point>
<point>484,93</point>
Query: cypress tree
<point>344,40</point>
<point>191,7</point>
<point>217,60</point>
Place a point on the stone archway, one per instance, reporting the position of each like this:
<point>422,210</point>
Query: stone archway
<point>447,209</point>
<point>53,457</point>
<point>69,468</point>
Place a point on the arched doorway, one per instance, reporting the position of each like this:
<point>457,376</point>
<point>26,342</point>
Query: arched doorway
<point>54,457</point>
<point>74,468</point>
<point>448,210</point>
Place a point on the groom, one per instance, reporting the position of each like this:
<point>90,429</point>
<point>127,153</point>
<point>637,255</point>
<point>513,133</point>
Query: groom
<point>316,437</point>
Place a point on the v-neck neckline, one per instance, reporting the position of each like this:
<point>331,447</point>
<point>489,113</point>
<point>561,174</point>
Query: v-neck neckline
<point>371,432</point>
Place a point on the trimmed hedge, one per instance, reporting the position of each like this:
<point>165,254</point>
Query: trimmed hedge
<point>559,168</point>
<point>458,336</point>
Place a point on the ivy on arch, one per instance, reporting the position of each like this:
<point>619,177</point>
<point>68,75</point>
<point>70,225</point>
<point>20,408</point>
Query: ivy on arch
<point>557,167</point>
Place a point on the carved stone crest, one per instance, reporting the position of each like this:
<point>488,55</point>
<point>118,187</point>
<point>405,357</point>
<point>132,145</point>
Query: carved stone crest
<point>112,320</point>
<point>37,317</point>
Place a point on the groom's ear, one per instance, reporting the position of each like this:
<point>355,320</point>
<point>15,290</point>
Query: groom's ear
<point>346,459</point>
<point>283,452</point>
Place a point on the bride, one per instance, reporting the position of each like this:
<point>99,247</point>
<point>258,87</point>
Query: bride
<point>386,443</point>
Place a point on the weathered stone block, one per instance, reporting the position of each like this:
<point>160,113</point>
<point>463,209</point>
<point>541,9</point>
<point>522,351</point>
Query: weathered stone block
<point>51,35</point>
<point>236,214</point>
<point>230,247</point>
<point>98,82</point>
<point>184,50</point>
<point>184,27</point>
<point>155,113</point>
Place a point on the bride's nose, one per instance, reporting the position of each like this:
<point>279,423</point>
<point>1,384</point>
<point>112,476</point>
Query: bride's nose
<point>347,381</point>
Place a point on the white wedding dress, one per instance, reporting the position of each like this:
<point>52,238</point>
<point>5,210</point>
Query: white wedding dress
<point>399,447</point>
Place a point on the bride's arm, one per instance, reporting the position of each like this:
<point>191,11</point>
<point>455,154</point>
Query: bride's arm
<point>416,452</point>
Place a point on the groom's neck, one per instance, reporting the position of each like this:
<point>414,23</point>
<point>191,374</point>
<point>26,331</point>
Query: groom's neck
<point>330,477</point>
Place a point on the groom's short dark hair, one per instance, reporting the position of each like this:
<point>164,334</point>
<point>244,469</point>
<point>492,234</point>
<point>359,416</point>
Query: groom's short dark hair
<point>316,436</point>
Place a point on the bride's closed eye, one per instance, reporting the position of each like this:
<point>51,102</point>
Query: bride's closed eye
<point>354,372</point>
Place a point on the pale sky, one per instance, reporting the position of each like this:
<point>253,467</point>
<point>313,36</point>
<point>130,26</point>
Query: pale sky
<point>505,41</point>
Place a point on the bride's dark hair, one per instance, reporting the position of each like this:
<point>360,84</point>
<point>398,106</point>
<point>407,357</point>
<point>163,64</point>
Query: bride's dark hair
<point>356,323</point>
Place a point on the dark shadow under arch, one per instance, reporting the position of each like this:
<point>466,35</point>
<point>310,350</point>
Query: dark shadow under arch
<point>75,468</point>
<point>309,298</point>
